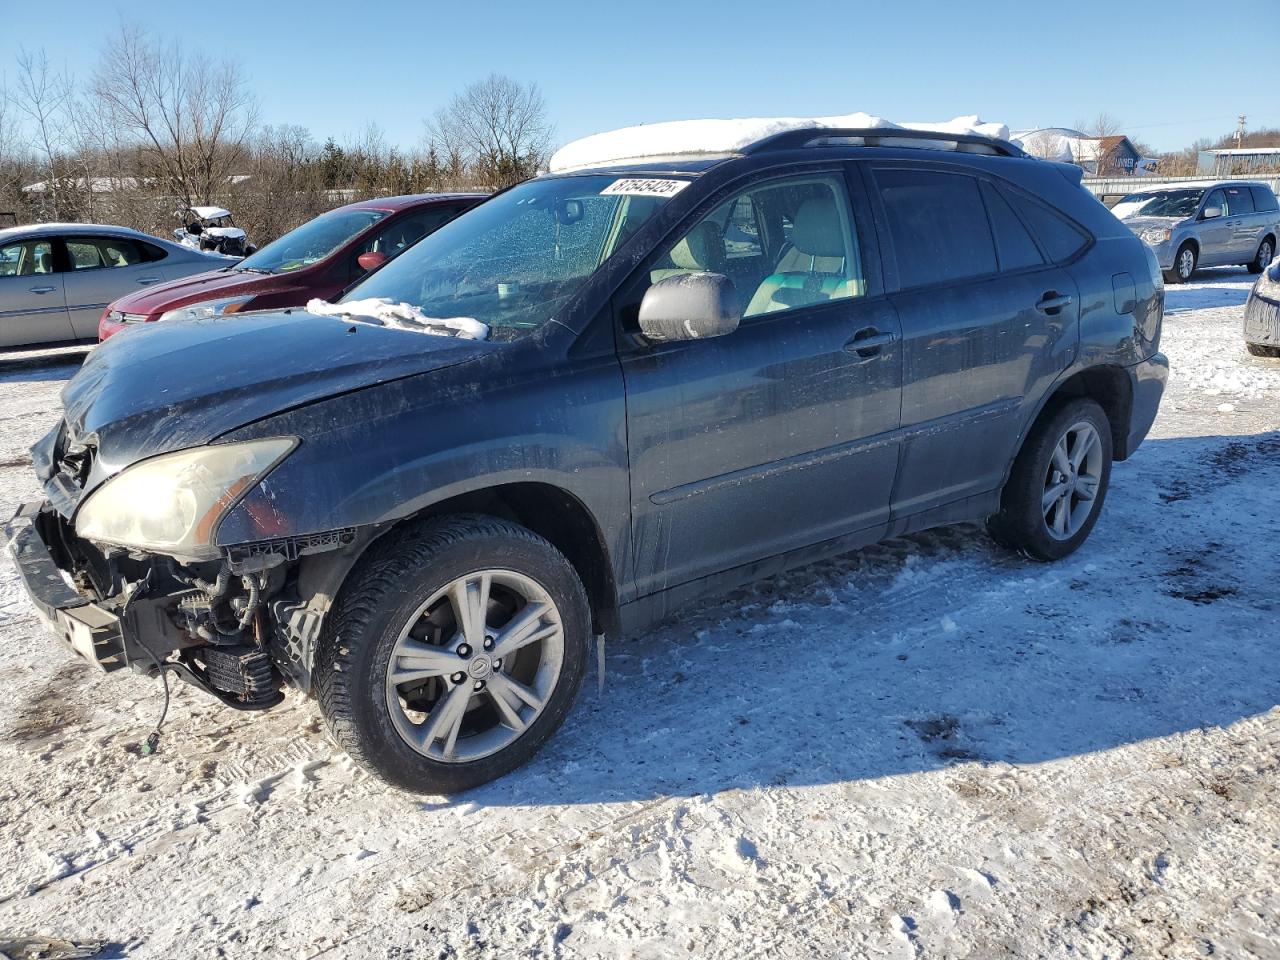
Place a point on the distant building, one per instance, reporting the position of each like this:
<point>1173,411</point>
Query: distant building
<point>1239,161</point>
<point>1113,156</point>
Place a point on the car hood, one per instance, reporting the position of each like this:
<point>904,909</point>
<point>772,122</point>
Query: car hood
<point>167,386</point>
<point>197,287</point>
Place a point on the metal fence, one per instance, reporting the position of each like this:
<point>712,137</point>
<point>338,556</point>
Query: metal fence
<point>1111,189</point>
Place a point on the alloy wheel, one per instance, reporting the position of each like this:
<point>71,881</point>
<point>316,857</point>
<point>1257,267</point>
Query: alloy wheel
<point>474,666</point>
<point>1186,263</point>
<point>1072,480</point>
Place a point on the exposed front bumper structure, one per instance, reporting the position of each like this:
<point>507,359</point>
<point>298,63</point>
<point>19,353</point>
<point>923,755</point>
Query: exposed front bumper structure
<point>91,630</point>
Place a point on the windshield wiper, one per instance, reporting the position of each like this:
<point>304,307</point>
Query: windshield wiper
<point>252,270</point>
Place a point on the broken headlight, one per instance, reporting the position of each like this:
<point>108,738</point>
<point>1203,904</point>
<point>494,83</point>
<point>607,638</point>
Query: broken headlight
<point>172,503</point>
<point>206,308</point>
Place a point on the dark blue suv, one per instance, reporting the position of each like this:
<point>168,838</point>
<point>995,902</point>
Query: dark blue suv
<point>592,398</point>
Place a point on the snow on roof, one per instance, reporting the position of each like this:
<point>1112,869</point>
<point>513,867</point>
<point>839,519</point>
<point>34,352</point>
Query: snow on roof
<point>1244,151</point>
<point>679,138</point>
<point>210,213</point>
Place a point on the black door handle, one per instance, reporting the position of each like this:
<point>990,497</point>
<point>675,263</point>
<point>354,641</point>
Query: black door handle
<point>1052,303</point>
<point>868,342</point>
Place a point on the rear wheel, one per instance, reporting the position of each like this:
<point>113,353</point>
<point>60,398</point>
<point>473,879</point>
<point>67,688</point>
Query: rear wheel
<point>1058,483</point>
<point>1262,349</point>
<point>456,650</point>
<point>1266,250</point>
<point>1184,264</point>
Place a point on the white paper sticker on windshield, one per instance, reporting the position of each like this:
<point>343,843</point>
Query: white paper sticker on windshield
<point>644,188</point>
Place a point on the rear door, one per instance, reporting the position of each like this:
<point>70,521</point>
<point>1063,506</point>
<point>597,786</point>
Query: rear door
<point>101,269</point>
<point>33,307</point>
<point>988,321</point>
<point>781,434</point>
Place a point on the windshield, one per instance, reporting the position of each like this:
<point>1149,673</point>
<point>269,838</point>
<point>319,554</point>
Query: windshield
<point>516,259</point>
<point>311,242</point>
<point>1163,203</point>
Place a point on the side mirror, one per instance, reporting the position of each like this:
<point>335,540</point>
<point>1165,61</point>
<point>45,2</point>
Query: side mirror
<point>371,260</point>
<point>691,306</point>
<point>1211,213</point>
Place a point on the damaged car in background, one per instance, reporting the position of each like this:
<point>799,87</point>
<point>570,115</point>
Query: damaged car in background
<point>676,363</point>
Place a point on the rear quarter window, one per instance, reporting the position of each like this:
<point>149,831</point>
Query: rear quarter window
<point>1059,237</point>
<point>938,225</point>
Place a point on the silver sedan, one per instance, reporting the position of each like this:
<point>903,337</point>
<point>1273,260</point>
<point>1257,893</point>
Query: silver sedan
<point>57,278</point>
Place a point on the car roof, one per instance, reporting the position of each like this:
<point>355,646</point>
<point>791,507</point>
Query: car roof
<point>408,200</point>
<point>74,229</point>
<point>1196,185</point>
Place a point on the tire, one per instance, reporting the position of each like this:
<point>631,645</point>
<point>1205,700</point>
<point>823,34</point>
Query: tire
<point>383,600</point>
<point>1024,522</point>
<point>1266,250</point>
<point>1262,349</point>
<point>1184,264</point>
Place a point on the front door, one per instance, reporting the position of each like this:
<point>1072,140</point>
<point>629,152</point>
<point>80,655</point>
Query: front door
<point>33,308</point>
<point>781,434</point>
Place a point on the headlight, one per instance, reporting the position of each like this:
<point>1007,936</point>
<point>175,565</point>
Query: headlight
<point>207,308</point>
<point>172,503</point>
<point>1152,235</point>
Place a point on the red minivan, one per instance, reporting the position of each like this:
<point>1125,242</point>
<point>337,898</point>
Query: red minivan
<point>318,259</point>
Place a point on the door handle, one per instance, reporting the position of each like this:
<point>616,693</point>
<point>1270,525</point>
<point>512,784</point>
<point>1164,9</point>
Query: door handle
<point>869,341</point>
<point>43,289</point>
<point>1052,303</point>
<point>147,281</point>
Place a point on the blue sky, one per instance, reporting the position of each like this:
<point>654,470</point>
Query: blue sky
<point>334,67</point>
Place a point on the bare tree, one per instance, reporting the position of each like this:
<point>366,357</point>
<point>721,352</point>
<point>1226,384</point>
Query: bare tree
<point>496,127</point>
<point>191,118</point>
<point>42,96</point>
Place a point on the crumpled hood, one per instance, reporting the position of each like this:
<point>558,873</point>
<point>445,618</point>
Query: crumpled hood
<point>1138,224</point>
<point>162,387</point>
<point>197,287</point>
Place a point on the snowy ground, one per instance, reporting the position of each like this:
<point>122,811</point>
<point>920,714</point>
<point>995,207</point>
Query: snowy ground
<point>927,749</point>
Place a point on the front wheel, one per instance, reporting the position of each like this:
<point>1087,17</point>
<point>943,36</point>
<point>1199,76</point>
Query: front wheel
<point>1262,349</point>
<point>453,654</point>
<point>1260,260</point>
<point>1184,265</point>
<point>1058,483</point>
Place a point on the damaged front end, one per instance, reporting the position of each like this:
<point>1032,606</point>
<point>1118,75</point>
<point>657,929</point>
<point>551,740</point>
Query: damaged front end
<point>126,571</point>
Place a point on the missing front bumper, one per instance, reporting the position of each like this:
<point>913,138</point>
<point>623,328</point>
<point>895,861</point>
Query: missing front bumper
<point>92,631</point>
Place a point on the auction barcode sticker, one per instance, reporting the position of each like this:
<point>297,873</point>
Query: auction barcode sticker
<point>644,188</point>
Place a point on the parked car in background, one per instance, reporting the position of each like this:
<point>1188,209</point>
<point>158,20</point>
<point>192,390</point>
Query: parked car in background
<point>1262,314</point>
<point>317,260</point>
<point>597,395</point>
<point>212,229</point>
<point>1204,224</point>
<point>56,278</point>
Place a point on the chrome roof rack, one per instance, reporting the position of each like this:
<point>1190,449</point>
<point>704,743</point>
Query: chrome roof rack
<point>877,137</point>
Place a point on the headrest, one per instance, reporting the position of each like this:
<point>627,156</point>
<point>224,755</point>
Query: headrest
<point>817,230</point>
<point>701,249</point>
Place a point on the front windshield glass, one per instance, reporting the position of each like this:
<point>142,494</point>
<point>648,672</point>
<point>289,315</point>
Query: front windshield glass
<point>311,242</point>
<point>517,259</point>
<point>1161,203</point>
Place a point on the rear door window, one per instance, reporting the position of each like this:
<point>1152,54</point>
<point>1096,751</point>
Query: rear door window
<point>1264,200</point>
<point>938,225</point>
<point>1014,245</point>
<point>88,253</point>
